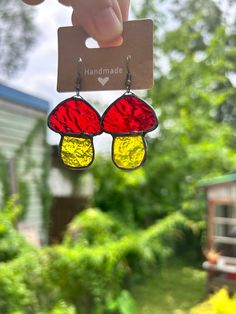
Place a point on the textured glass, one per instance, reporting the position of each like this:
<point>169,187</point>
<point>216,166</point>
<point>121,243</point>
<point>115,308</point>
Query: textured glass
<point>128,152</point>
<point>78,119</point>
<point>129,114</point>
<point>77,152</point>
<point>128,119</point>
<point>75,116</point>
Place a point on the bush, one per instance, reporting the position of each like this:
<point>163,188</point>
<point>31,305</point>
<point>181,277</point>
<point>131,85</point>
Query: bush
<point>62,308</point>
<point>26,287</point>
<point>86,277</point>
<point>93,270</point>
<point>12,243</point>
<point>97,264</point>
<point>93,227</point>
<point>219,303</point>
<point>20,282</point>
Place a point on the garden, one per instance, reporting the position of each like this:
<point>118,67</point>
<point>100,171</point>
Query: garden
<point>139,245</point>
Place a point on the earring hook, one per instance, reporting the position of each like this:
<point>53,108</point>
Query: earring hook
<point>78,79</point>
<point>128,76</point>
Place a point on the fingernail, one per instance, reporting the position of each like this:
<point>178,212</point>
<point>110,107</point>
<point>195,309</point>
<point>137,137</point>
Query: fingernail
<point>107,24</point>
<point>115,43</point>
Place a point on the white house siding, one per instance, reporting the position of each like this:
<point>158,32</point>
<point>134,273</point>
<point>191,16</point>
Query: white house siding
<point>225,192</point>
<point>16,122</point>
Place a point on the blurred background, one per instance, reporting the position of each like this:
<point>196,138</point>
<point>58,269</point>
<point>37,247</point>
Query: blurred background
<point>157,240</point>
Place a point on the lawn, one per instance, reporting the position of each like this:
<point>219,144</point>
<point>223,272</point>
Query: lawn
<point>173,290</point>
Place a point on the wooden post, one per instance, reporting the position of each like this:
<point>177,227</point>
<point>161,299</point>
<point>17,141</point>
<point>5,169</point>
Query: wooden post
<point>211,224</point>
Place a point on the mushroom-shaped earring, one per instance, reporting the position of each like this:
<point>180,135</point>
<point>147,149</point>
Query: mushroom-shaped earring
<point>77,122</point>
<point>128,119</point>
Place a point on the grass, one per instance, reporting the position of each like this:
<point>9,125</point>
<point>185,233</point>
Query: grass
<point>173,290</point>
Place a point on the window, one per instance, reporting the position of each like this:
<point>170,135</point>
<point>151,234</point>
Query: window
<point>225,229</point>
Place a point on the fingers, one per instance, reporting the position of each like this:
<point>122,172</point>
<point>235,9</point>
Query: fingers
<point>65,2</point>
<point>101,19</point>
<point>33,2</point>
<point>124,7</point>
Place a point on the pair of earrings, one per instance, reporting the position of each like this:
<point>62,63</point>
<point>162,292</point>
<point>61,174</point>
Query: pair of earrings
<point>127,119</point>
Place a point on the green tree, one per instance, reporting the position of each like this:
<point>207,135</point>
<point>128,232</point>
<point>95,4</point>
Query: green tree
<point>193,141</point>
<point>198,23</point>
<point>194,97</point>
<point>17,34</point>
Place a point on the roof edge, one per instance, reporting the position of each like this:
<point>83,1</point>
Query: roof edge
<point>218,180</point>
<point>24,99</point>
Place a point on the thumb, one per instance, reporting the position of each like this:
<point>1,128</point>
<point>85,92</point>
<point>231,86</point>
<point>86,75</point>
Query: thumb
<point>101,19</point>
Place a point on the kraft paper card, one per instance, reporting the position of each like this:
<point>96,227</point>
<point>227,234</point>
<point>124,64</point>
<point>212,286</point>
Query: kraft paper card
<point>106,68</point>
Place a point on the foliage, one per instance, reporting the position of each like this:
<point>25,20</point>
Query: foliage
<point>18,18</point>
<point>90,276</point>
<point>124,304</point>
<point>152,214</point>
<point>92,227</point>
<point>4,184</point>
<point>62,308</point>
<point>195,100</point>
<point>123,195</point>
<point>12,244</point>
<point>19,280</point>
<point>219,303</point>
<point>23,197</point>
<point>190,92</point>
<point>26,289</point>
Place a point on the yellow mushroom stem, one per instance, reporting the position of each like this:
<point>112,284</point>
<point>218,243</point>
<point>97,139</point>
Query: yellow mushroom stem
<point>128,151</point>
<point>77,152</point>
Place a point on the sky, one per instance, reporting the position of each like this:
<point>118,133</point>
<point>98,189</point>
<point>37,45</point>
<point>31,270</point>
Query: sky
<point>39,75</point>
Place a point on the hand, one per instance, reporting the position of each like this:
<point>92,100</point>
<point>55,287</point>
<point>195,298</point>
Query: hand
<point>101,19</point>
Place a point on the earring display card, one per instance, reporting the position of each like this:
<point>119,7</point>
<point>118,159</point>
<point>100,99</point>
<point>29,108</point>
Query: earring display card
<point>106,68</point>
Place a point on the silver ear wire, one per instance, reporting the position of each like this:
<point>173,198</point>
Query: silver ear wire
<point>128,58</point>
<point>128,76</point>
<point>78,79</point>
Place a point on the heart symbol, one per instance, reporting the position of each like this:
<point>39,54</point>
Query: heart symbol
<point>103,80</point>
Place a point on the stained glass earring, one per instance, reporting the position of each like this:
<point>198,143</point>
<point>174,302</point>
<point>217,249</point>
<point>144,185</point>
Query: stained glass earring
<point>77,122</point>
<point>128,119</point>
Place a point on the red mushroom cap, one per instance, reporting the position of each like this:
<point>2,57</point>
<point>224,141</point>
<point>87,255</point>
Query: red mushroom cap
<point>74,116</point>
<point>129,114</point>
